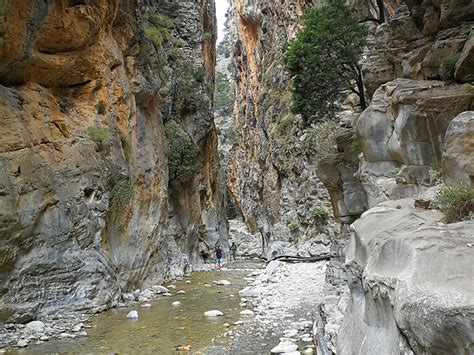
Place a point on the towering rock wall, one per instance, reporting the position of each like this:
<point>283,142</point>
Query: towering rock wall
<point>272,175</point>
<point>88,208</point>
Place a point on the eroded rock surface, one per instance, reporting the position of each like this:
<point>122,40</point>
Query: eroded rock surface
<point>411,286</point>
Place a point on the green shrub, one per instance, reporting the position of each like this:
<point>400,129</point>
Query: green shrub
<point>436,171</point>
<point>223,93</point>
<point>99,134</point>
<point>448,66</point>
<point>293,226</point>
<point>120,192</point>
<point>182,160</point>
<point>468,88</point>
<point>456,201</point>
<point>65,104</point>
<point>127,149</point>
<point>318,212</point>
<point>100,107</point>
<point>284,124</point>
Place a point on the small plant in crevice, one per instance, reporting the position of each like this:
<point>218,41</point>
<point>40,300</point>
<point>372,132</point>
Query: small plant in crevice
<point>100,107</point>
<point>456,201</point>
<point>120,191</point>
<point>448,66</point>
<point>65,104</point>
<point>318,213</point>
<point>127,149</point>
<point>293,226</point>
<point>99,134</point>
<point>436,172</point>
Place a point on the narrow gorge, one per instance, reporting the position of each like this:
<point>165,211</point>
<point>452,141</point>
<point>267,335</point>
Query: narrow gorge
<point>134,143</point>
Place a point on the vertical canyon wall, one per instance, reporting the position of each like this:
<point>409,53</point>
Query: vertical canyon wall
<point>88,99</point>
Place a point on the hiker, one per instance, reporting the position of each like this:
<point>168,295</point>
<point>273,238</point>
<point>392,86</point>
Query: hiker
<point>218,256</point>
<point>233,250</point>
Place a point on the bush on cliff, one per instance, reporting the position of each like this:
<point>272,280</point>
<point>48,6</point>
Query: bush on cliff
<point>448,67</point>
<point>323,61</point>
<point>456,201</point>
<point>182,161</point>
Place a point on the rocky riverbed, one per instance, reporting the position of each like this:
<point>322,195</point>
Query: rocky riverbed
<point>260,309</point>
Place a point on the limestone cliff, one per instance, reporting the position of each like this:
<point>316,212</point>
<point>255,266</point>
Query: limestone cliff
<point>88,206</point>
<point>272,176</point>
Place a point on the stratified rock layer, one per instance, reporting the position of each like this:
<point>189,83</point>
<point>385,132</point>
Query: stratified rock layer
<point>411,286</point>
<point>85,206</point>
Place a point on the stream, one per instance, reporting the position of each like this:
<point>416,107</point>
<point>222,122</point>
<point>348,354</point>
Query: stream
<point>163,326</point>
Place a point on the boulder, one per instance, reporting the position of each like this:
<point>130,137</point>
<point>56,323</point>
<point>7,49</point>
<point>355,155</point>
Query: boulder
<point>411,283</point>
<point>458,154</point>
<point>35,326</point>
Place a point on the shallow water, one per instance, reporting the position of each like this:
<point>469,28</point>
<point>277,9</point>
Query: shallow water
<point>162,327</point>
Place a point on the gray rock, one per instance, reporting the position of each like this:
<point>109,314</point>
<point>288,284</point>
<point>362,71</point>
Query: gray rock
<point>285,346</point>
<point>146,305</point>
<point>23,343</point>
<point>213,313</point>
<point>458,154</point>
<point>35,327</point>
<point>412,275</point>
<point>132,314</point>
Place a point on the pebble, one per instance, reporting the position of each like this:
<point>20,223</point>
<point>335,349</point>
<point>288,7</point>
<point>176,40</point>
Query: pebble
<point>223,283</point>
<point>67,335</point>
<point>247,312</point>
<point>290,333</point>
<point>159,289</point>
<point>226,325</point>
<point>83,334</point>
<point>146,305</point>
<point>172,286</point>
<point>176,303</point>
<point>307,340</point>
<point>285,346</point>
<point>239,322</point>
<point>77,327</point>
<point>213,313</point>
<point>44,338</point>
<point>181,292</point>
<point>167,294</point>
<point>308,351</point>
<point>132,314</point>
<point>188,281</point>
<point>22,343</point>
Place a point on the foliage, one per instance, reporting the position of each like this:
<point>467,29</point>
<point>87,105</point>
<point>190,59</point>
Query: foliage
<point>284,124</point>
<point>182,161</point>
<point>323,61</point>
<point>188,88</point>
<point>448,66</point>
<point>223,93</point>
<point>65,104</point>
<point>160,42</point>
<point>436,172</point>
<point>127,149</point>
<point>293,226</point>
<point>120,192</point>
<point>456,201</point>
<point>208,36</point>
<point>99,134</point>
<point>320,140</point>
<point>468,88</point>
<point>100,107</point>
<point>318,212</point>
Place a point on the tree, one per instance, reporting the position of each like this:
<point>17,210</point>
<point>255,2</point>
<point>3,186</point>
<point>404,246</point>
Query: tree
<point>323,61</point>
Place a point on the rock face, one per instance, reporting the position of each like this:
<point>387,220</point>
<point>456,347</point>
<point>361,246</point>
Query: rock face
<point>402,135</point>
<point>458,154</point>
<point>411,285</point>
<point>87,206</point>
<point>272,179</point>
<point>414,43</point>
